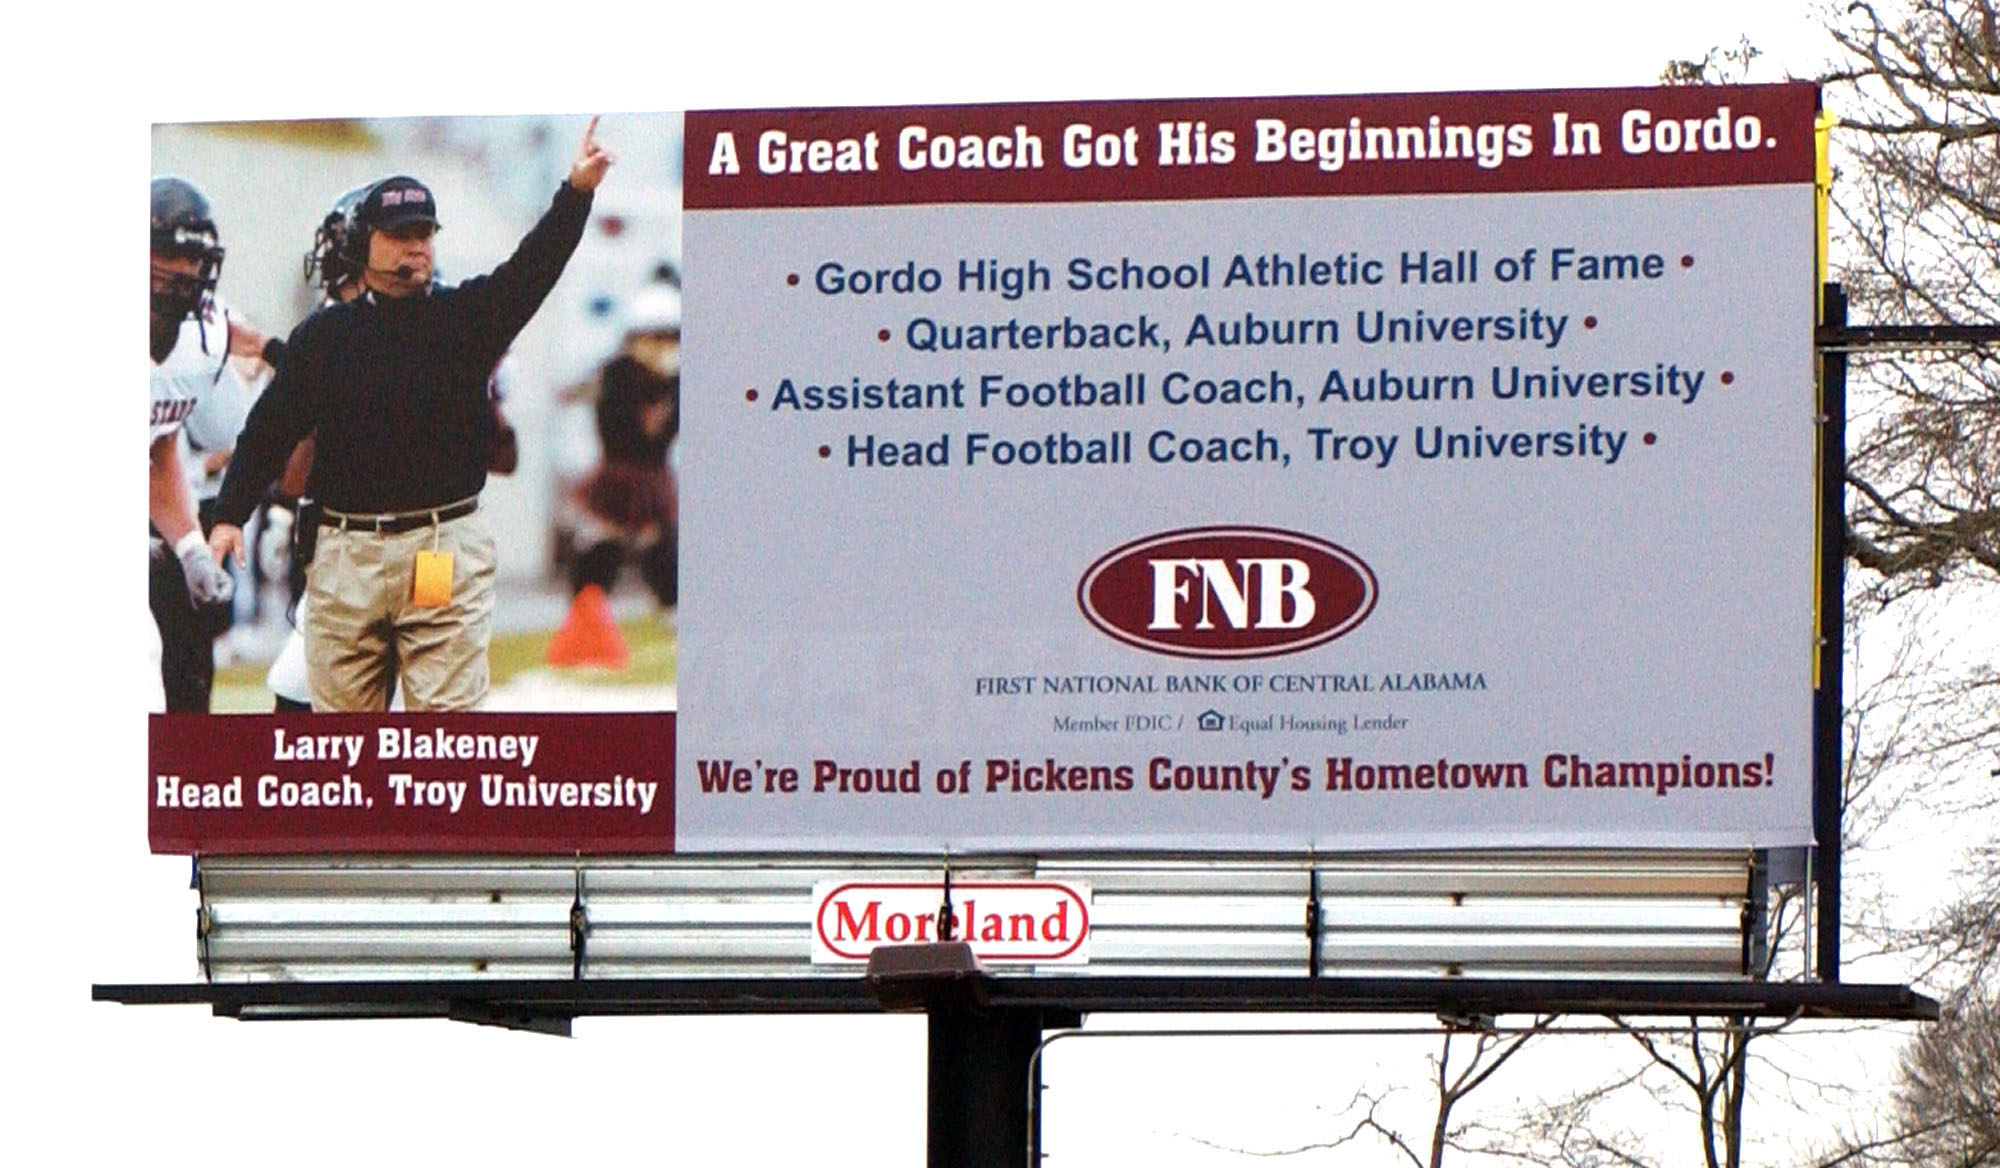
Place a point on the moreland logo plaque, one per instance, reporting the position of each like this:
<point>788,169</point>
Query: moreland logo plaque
<point>1039,922</point>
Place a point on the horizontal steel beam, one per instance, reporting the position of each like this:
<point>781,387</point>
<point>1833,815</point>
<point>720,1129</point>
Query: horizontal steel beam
<point>499,1000</point>
<point>1855,338</point>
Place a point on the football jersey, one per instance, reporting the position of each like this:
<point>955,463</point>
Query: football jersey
<point>191,369</point>
<point>213,425</point>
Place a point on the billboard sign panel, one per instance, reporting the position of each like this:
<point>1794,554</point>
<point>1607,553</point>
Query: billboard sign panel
<point>1308,473</point>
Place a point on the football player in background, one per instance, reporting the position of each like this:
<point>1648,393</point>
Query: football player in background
<point>630,509</point>
<point>192,337</point>
<point>332,265</point>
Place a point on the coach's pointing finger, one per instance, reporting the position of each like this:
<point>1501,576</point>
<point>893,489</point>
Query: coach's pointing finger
<point>592,160</point>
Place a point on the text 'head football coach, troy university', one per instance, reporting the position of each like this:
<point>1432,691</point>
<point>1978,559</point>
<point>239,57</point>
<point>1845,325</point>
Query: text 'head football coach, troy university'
<point>393,383</point>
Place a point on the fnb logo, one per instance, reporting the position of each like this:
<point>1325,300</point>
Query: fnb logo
<point>1227,592</point>
<point>1247,592</point>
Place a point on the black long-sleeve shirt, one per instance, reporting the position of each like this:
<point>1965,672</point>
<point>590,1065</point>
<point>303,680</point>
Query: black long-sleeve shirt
<point>395,387</point>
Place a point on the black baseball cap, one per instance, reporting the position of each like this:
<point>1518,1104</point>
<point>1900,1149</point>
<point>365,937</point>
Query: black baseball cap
<point>396,202</point>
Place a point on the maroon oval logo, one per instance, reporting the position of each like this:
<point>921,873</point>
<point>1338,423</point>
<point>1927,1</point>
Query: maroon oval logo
<point>1227,592</point>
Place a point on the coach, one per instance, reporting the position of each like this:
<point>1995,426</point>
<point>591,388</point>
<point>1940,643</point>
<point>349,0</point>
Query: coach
<point>394,385</point>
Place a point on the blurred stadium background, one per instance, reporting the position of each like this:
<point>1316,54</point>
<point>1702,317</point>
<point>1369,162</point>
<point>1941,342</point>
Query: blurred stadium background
<point>271,184</point>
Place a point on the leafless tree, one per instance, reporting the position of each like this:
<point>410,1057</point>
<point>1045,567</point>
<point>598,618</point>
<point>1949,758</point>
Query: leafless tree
<point>1456,1072</point>
<point>1917,193</point>
<point>1711,1061</point>
<point>1917,190</point>
<point>1718,66</point>
<point>1945,1104</point>
<point>1916,241</point>
<point>1948,1092</point>
<point>1702,1070</point>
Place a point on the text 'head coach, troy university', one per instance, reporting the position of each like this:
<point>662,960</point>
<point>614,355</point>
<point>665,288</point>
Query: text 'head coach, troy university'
<point>393,383</point>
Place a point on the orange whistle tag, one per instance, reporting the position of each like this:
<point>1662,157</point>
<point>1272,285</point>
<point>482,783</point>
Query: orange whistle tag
<point>433,584</point>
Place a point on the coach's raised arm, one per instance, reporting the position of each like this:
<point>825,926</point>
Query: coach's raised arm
<point>393,386</point>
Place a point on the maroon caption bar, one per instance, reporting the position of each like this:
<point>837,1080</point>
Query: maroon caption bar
<point>497,783</point>
<point>1432,143</point>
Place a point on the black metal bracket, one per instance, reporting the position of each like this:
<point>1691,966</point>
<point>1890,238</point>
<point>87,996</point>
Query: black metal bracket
<point>507,1018</point>
<point>947,920</point>
<point>1841,337</point>
<point>944,975</point>
<point>204,920</point>
<point>579,928</point>
<point>1756,909</point>
<point>1463,1021</point>
<point>1313,920</point>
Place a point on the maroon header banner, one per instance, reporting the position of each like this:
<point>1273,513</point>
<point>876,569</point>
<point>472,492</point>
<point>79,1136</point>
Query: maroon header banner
<point>1429,143</point>
<point>493,783</point>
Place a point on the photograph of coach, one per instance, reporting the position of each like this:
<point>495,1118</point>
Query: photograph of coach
<point>394,385</point>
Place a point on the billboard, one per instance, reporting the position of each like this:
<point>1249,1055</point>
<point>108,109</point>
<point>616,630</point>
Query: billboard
<point>1273,474</point>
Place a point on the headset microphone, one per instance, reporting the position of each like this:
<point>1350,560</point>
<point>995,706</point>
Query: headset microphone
<point>402,272</point>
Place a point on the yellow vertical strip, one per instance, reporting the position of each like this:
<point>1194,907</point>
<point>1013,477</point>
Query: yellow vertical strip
<point>1822,196</point>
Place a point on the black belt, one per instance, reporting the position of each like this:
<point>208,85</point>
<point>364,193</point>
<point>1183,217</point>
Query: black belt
<point>398,521</point>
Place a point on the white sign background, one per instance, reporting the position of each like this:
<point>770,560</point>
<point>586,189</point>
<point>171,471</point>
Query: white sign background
<point>1643,610</point>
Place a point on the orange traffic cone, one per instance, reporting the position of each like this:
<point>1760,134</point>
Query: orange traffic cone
<point>588,636</point>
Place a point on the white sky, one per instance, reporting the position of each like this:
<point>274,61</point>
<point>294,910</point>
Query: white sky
<point>170,1086</point>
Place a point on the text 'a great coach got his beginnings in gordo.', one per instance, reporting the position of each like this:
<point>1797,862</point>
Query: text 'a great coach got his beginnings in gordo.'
<point>1253,140</point>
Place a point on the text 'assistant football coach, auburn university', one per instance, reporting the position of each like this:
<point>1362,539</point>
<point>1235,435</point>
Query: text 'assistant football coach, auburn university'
<point>394,384</point>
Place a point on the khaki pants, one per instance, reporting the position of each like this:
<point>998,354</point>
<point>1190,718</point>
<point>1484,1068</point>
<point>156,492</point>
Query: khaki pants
<point>363,634</point>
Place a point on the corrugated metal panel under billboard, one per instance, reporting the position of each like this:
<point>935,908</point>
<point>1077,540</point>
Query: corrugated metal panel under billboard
<point>1650,914</point>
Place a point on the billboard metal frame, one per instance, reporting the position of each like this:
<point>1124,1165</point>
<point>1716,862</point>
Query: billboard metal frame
<point>1625,914</point>
<point>1834,340</point>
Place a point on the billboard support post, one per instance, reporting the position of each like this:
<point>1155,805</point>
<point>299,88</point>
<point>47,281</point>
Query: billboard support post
<point>979,1055</point>
<point>977,1113</point>
<point>1827,695</point>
